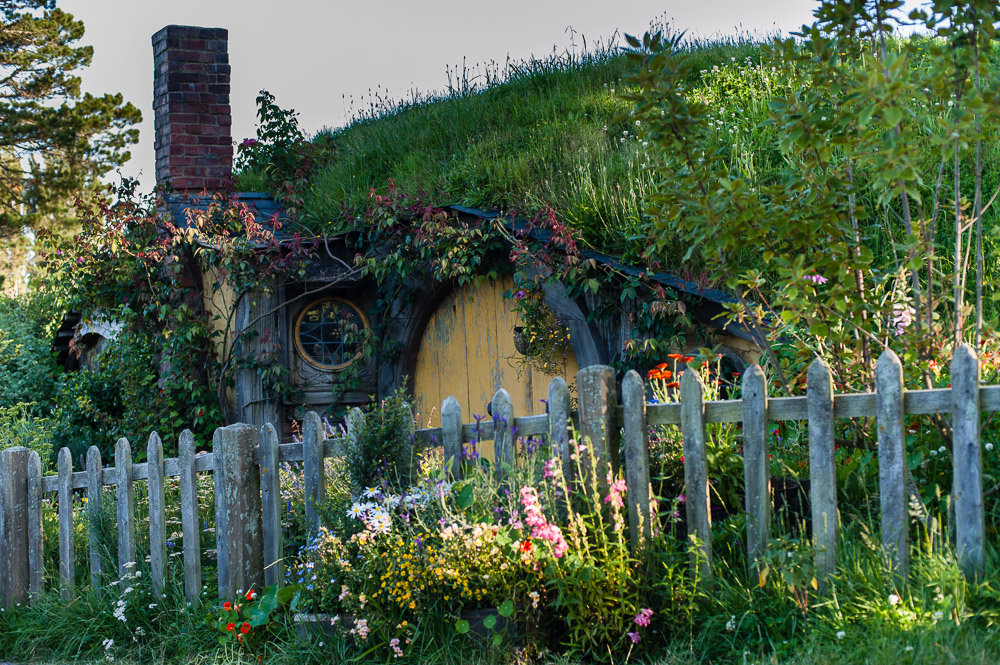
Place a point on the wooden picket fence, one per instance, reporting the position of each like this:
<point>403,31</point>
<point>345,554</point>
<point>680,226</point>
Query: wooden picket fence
<point>245,465</point>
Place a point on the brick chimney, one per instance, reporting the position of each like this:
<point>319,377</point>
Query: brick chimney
<point>194,144</point>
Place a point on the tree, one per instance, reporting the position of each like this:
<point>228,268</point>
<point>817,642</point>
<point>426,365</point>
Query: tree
<point>55,142</point>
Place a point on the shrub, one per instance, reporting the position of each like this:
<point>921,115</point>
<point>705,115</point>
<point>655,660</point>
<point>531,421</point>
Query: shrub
<point>381,447</point>
<point>20,427</point>
<point>27,368</point>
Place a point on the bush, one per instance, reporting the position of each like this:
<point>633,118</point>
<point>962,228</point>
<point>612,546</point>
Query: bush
<point>27,368</point>
<point>381,448</point>
<point>20,427</point>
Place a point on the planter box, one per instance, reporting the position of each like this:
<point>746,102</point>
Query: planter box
<point>319,625</point>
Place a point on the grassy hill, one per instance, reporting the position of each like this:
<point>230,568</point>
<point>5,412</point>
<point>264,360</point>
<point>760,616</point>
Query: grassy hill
<point>551,132</point>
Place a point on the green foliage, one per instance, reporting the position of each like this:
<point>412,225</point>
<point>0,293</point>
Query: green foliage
<point>54,140</point>
<point>248,621</point>
<point>833,172</point>
<point>382,448</point>
<point>19,426</point>
<point>27,369</point>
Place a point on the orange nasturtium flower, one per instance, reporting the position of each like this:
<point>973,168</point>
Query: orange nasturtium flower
<point>227,606</point>
<point>230,627</point>
<point>251,594</point>
<point>245,628</point>
<point>526,546</point>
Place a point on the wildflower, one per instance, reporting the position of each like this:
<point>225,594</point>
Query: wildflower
<point>817,279</point>
<point>227,606</point>
<point>841,634</point>
<point>731,624</point>
<point>938,615</point>
<point>370,492</point>
<point>534,598</point>
<point>356,511</point>
<point>634,637</point>
<point>525,546</point>
<point>673,384</point>
<point>230,626</point>
<point>643,617</point>
<point>989,446</point>
<point>245,628</point>
<point>893,599</point>
<point>251,595</point>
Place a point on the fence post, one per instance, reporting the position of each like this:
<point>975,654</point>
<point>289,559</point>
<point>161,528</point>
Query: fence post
<point>241,539</point>
<point>36,553</point>
<point>270,491</point>
<point>558,406</point>
<point>822,467</point>
<point>191,538</point>
<point>95,483</point>
<point>312,462</point>
<point>125,505</point>
<point>596,389</point>
<point>503,434</point>
<point>451,436</point>
<point>637,460</point>
<point>157,516</point>
<point>967,482</point>
<point>14,531</point>
<point>67,564</point>
<point>892,460</point>
<point>697,500</point>
<point>756,462</point>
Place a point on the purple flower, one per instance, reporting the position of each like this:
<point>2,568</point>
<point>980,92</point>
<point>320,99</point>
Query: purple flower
<point>817,279</point>
<point>643,617</point>
<point>634,637</point>
<point>519,295</point>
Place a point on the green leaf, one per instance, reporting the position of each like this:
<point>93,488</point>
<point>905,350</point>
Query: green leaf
<point>490,622</point>
<point>465,497</point>
<point>497,639</point>
<point>506,609</point>
<point>461,626</point>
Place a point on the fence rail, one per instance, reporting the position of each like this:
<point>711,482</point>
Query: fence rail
<point>244,463</point>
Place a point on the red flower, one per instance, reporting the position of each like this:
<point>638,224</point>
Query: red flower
<point>227,606</point>
<point>526,546</point>
<point>674,356</point>
<point>687,359</point>
<point>230,627</point>
<point>251,594</point>
<point>245,628</point>
<point>673,384</point>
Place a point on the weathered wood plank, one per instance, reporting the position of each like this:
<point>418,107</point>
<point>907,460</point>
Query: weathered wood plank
<point>315,478</point>
<point>451,436</point>
<point>503,436</point>
<point>595,387</point>
<point>125,506</point>
<point>756,461</point>
<point>822,467</point>
<point>190,535</point>
<point>222,564</point>
<point>94,494</point>
<point>636,460</point>
<point>697,500</point>
<point>270,490</point>
<point>242,538</point>
<point>891,461</point>
<point>558,424</point>
<point>67,563</point>
<point>157,513</point>
<point>36,551</point>
<point>967,479</point>
<point>14,525</point>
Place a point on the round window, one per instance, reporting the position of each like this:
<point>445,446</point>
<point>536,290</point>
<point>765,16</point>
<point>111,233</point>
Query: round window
<point>326,333</point>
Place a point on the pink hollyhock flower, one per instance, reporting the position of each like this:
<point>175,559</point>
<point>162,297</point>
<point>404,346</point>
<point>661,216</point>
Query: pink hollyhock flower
<point>643,617</point>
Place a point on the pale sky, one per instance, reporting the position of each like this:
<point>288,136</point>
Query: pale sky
<point>314,56</point>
